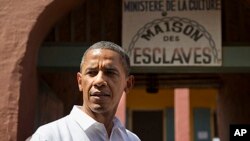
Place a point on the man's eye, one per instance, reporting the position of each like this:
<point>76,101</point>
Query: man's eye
<point>92,73</point>
<point>111,72</point>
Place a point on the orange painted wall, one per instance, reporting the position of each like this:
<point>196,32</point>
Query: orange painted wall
<point>203,97</point>
<point>138,98</point>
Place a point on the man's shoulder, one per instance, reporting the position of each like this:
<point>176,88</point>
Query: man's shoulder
<point>132,136</point>
<point>54,125</point>
<point>52,130</point>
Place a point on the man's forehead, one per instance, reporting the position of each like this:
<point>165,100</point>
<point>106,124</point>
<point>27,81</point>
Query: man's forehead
<point>96,62</point>
<point>94,51</point>
<point>102,53</point>
<point>107,56</point>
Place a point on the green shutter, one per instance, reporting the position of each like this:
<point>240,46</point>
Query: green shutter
<point>202,123</point>
<point>170,124</point>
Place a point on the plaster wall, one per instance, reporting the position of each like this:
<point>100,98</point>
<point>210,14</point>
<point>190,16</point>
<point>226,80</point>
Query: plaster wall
<point>24,25</point>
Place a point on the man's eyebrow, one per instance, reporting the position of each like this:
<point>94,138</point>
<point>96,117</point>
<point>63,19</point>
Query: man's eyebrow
<point>112,68</point>
<point>106,67</point>
<point>90,68</point>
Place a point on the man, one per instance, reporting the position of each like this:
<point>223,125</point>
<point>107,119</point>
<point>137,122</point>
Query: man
<point>104,76</point>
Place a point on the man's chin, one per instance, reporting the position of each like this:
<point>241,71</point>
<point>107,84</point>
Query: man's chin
<point>99,109</point>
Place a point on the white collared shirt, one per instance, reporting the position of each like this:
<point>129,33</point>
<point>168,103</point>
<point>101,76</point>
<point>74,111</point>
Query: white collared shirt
<point>78,126</point>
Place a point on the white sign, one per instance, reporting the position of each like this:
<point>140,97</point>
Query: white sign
<point>172,32</point>
<point>202,135</point>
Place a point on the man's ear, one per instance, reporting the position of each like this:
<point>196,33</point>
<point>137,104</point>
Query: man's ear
<point>130,83</point>
<point>79,81</point>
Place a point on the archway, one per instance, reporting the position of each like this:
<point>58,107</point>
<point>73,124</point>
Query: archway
<point>45,18</point>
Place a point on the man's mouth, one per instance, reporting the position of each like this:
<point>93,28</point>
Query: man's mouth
<point>99,94</point>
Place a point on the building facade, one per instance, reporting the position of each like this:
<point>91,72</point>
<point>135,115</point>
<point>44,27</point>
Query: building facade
<point>41,47</point>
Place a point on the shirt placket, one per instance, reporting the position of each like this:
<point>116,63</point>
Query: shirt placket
<point>102,133</point>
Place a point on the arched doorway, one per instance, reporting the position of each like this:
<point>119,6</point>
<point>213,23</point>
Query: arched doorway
<point>45,16</point>
<point>57,88</point>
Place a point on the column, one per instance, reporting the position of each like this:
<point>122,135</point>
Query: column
<point>121,110</point>
<point>182,114</point>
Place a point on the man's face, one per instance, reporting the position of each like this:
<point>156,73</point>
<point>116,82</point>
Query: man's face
<point>102,81</point>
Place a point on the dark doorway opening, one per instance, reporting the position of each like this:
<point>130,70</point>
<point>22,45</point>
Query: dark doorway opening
<point>148,125</point>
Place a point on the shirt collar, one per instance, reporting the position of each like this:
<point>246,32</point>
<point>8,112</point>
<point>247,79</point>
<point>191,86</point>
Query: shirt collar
<point>85,121</point>
<point>117,123</point>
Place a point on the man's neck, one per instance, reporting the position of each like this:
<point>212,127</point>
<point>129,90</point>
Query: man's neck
<point>104,118</point>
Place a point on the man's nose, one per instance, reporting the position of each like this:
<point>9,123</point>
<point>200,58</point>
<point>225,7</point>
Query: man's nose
<point>100,79</point>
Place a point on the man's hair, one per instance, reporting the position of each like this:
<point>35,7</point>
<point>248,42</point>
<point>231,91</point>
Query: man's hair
<point>111,46</point>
